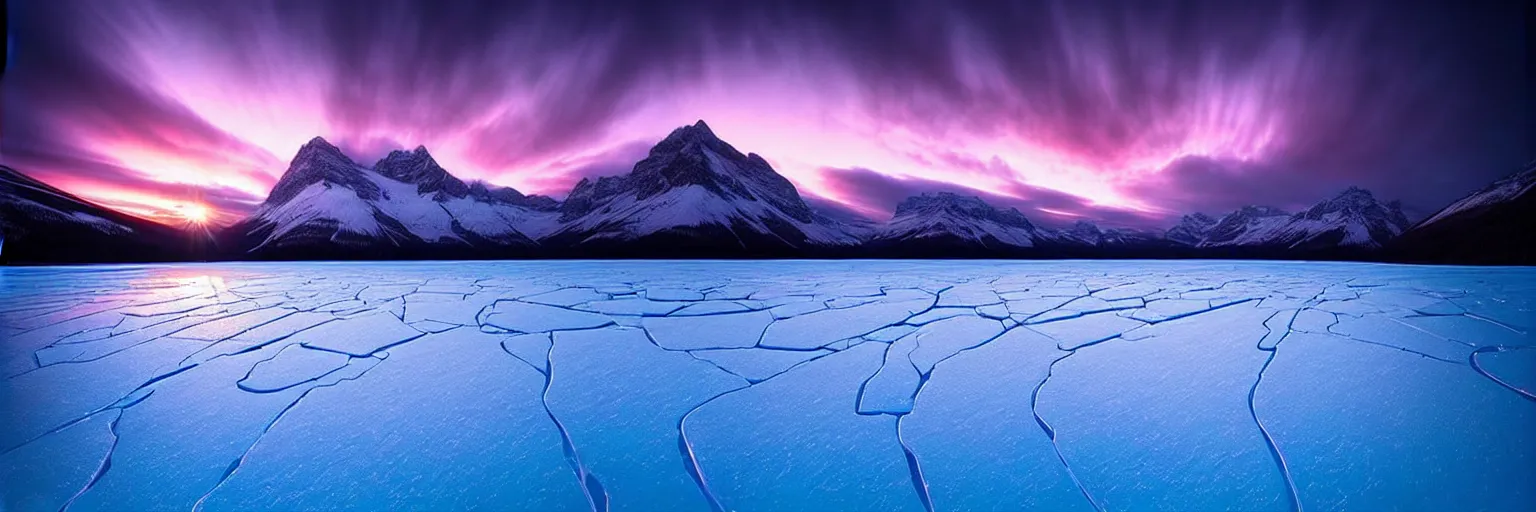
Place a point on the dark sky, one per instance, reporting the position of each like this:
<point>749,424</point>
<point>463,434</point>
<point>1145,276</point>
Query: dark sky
<point>1128,113</point>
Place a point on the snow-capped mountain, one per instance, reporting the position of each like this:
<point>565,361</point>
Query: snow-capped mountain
<point>1353,219</point>
<point>41,223</point>
<point>1248,226</point>
<point>946,219</point>
<point>326,201</point>
<point>1492,225</point>
<point>695,191</point>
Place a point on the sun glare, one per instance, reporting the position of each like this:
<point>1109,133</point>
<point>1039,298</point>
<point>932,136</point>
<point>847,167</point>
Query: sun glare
<point>194,213</point>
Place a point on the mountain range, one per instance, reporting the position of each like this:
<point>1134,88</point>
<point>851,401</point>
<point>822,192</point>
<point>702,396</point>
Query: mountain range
<point>694,195</point>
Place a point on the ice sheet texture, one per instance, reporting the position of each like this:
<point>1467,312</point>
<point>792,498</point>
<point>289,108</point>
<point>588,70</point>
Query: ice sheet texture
<point>775,385</point>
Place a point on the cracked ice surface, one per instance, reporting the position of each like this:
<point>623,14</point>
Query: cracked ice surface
<point>774,385</point>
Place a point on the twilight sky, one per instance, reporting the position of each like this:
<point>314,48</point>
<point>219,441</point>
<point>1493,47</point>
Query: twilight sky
<point>1126,113</point>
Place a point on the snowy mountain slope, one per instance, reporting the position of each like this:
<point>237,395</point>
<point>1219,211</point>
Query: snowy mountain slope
<point>406,200</point>
<point>1492,225</point>
<point>41,223</point>
<point>1500,192</point>
<point>692,186</point>
<point>946,218</point>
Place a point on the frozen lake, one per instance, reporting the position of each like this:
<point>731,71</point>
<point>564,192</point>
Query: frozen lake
<point>780,385</point>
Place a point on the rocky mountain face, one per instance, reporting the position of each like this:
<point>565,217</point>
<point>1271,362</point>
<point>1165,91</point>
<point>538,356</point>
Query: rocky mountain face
<point>1493,225</point>
<point>418,167</point>
<point>40,223</point>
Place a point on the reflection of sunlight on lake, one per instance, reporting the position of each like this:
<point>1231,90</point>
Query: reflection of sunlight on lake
<point>122,282</point>
<point>173,281</point>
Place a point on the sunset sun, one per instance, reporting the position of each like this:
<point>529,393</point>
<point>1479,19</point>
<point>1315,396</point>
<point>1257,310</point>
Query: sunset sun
<point>194,213</point>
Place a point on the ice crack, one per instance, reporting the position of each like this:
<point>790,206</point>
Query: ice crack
<point>106,464</point>
<point>1034,401</point>
<point>1269,440</point>
<point>235,465</point>
<point>591,487</point>
<point>919,483</point>
<point>1472,359</point>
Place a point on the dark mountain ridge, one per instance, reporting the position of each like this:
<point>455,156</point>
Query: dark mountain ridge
<point>40,223</point>
<point>1494,225</point>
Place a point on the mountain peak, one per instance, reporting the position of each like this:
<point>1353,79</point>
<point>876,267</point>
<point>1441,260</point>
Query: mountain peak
<point>419,153</point>
<point>319,161</point>
<point>1352,199</point>
<point>697,133</point>
<point>318,141</point>
<point>317,147</point>
<point>418,167</point>
<point>1356,192</point>
<point>692,156</point>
